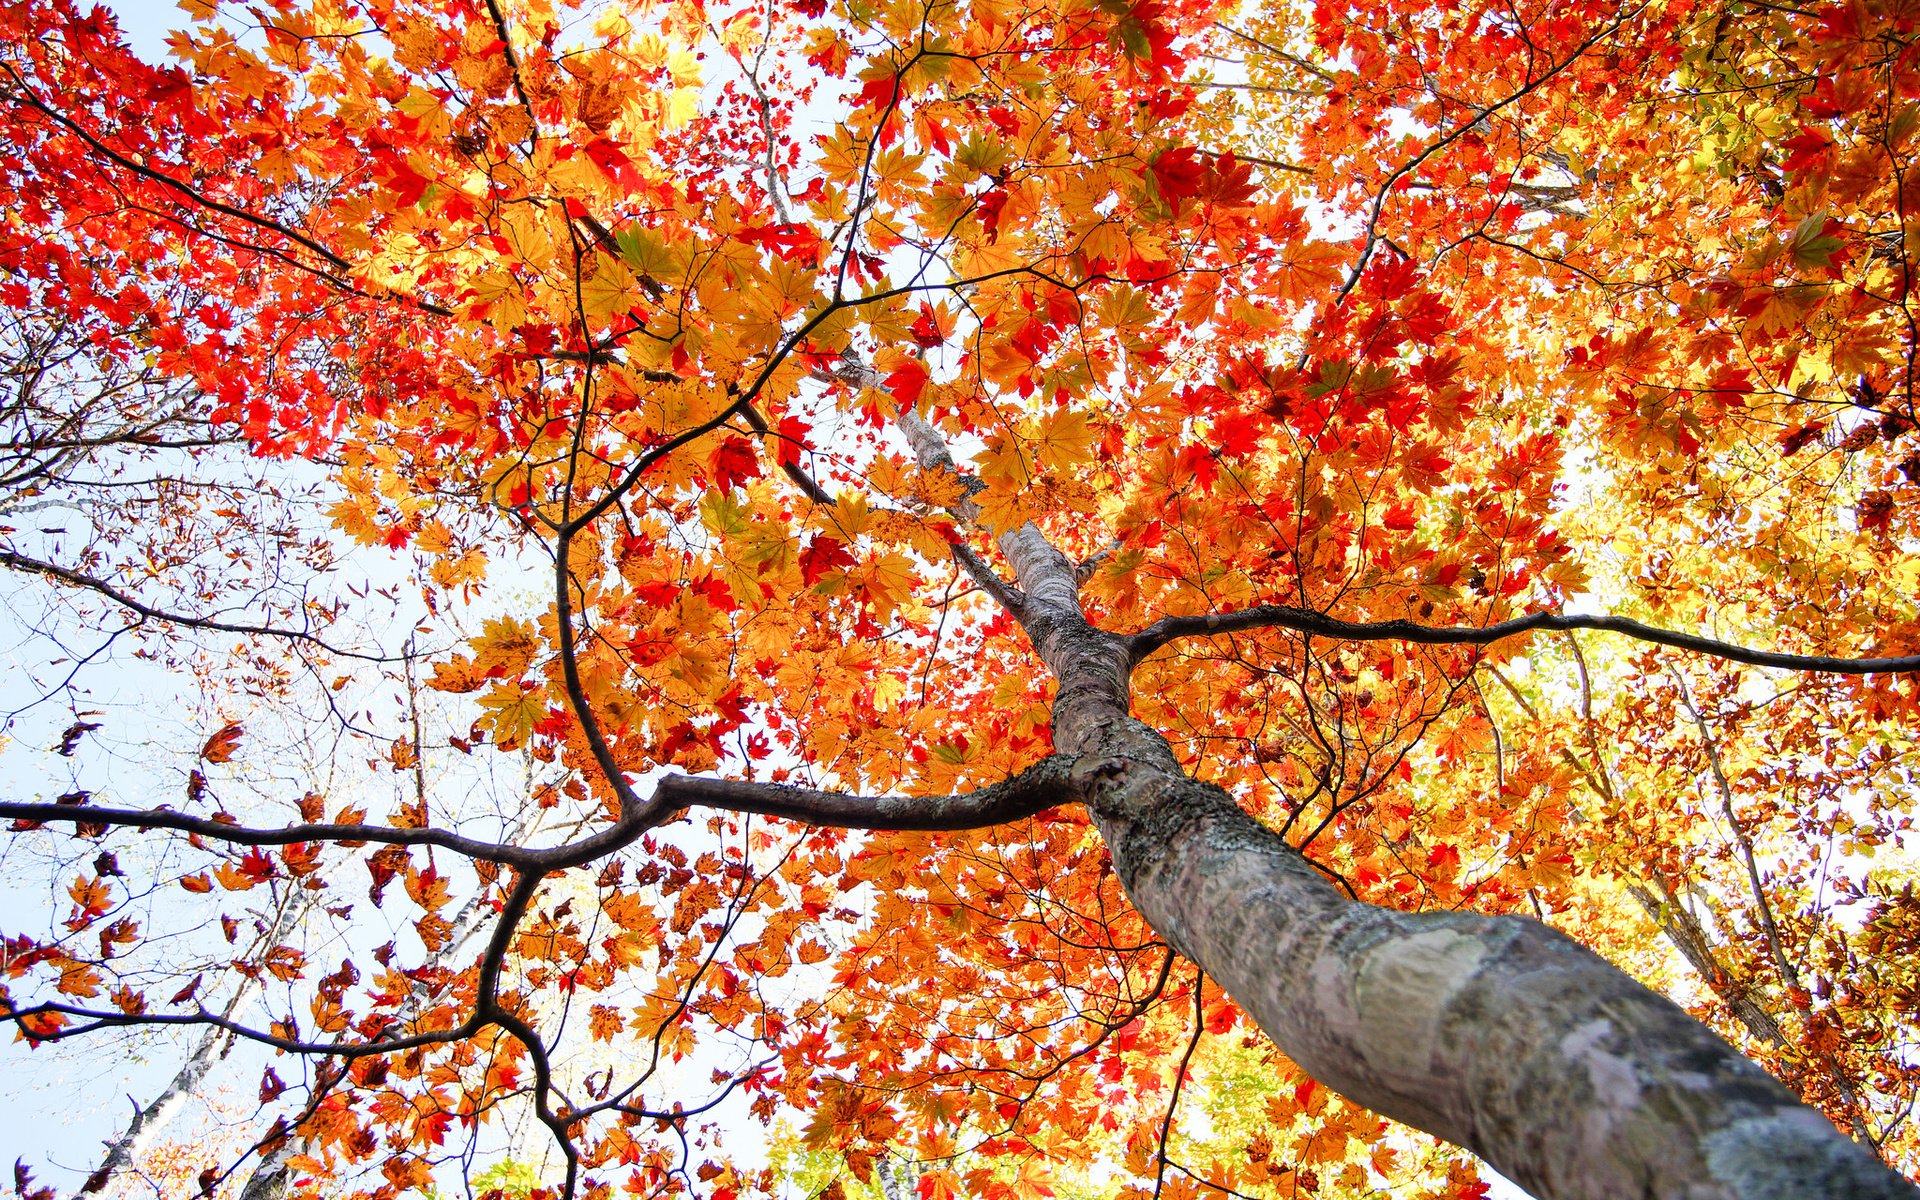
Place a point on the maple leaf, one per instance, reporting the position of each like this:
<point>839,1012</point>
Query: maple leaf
<point>614,162</point>
<point>1177,173</point>
<point>1228,182</point>
<point>906,376</point>
<point>506,647</point>
<point>70,740</point>
<point>734,463</point>
<point>186,994</point>
<point>221,746</point>
<point>1238,434</point>
<point>457,674</point>
<point>23,1183</point>
<point>822,556</point>
<point>793,243</point>
<point>512,710</point>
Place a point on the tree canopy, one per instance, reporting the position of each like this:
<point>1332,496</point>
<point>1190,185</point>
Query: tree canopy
<point>934,573</point>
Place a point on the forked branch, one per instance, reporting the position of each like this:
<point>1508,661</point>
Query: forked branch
<point>1306,620</point>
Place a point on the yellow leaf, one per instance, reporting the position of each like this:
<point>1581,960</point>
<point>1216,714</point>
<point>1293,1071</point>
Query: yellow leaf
<point>604,1022</point>
<point>232,878</point>
<point>457,674</point>
<point>221,746</point>
<point>506,646</point>
<point>512,710</point>
<point>1065,441</point>
<point>610,289</point>
<point>79,979</point>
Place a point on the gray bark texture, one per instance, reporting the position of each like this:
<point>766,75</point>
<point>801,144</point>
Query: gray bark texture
<point>1498,1034</point>
<point>215,1044</point>
<point>272,1175</point>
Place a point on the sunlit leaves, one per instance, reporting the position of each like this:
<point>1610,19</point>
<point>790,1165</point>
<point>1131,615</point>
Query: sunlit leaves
<point>1395,312</point>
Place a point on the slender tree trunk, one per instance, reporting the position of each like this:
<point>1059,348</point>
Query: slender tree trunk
<point>272,1176</point>
<point>213,1047</point>
<point>160,1111</point>
<point>1496,1033</point>
<point>898,1180</point>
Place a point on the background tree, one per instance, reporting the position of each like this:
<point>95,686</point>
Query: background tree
<point>1041,503</point>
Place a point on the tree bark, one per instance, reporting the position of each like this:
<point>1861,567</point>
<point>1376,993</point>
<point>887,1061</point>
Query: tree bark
<point>212,1048</point>
<point>272,1176</point>
<point>1498,1034</point>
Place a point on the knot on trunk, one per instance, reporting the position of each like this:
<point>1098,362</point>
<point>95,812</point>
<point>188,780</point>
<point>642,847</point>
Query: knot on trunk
<point>1115,784</point>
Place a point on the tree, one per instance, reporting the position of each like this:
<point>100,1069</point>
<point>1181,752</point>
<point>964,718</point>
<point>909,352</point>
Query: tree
<point>1051,513</point>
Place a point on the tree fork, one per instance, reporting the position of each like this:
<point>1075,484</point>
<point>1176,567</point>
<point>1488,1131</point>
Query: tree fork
<point>1499,1034</point>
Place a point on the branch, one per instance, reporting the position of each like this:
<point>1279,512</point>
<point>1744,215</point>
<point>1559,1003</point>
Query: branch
<point>930,451</point>
<point>1160,1159</point>
<point>1044,785</point>
<point>21,562</point>
<point>243,835</point>
<point>1306,620</point>
<point>1482,115</point>
<point>24,96</point>
<point>1004,593</point>
<point>809,487</point>
<point>95,1019</point>
<point>1319,73</point>
<point>513,70</point>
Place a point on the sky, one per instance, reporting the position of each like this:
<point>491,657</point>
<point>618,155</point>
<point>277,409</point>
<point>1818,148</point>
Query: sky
<point>147,23</point>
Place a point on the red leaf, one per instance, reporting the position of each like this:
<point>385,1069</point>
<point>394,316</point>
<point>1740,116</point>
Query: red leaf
<point>613,163</point>
<point>822,555</point>
<point>1221,1015</point>
<point>22,1177</point>
<point>792,440</point>
<point>794,243</point>
<point>991,202</point>
<point>907,381</point>
<point>1795,439</point>
<point>1237,434</point>
<point>1176,174</point>
<point>221,746</point>
<point>734,462</point>
<point>406,184</point>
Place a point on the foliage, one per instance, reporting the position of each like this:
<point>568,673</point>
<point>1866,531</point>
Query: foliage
<point>1322,338</point>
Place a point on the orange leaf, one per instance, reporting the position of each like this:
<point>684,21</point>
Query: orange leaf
<point>221,746</point>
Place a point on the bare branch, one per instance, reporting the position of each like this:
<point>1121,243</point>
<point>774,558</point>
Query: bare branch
<point>1046,784</point>
<point>27,816</point>
<point>145,611</point>
<point>1281,616</point>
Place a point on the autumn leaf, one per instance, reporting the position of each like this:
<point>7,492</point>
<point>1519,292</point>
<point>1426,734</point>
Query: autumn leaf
<point>822,556</point>
<point>186,994</point>
<point>221,746</point>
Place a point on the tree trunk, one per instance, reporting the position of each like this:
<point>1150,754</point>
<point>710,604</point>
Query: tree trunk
<point>1496,1033</point>
<point>213,1047</point>
<point>272,1177</point>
